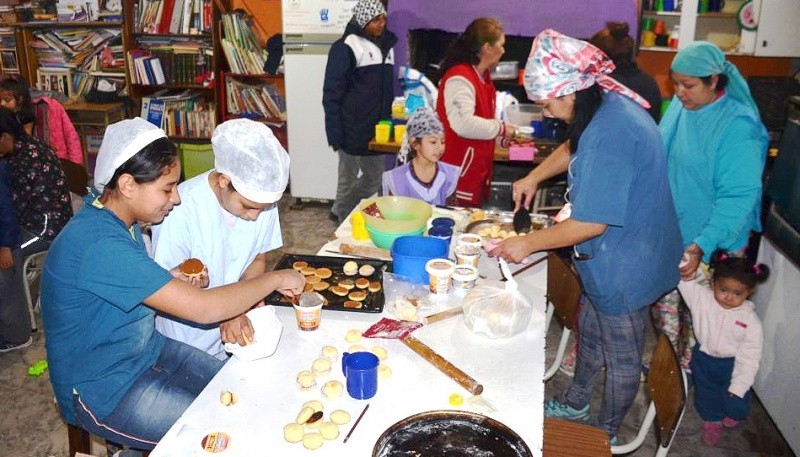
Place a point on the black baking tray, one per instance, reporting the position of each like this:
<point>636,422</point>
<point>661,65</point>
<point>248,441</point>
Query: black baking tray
<point>451,434</point>
<point>372,304</point>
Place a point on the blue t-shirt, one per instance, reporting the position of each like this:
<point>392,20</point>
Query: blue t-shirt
<point>100,336</point>
<point>618,177</point>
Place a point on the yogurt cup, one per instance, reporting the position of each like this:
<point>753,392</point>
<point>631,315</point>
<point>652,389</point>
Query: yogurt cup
<point>464,277</point>
<point>308,310</point>
<point>440,275</point>
<point>469,239</point>
<point>467,255</point>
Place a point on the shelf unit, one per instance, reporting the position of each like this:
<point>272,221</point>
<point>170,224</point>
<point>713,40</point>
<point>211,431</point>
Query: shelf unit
<point>9,60</point>
<point>25,36</point>
<point>211,92</point>
<point>777,35</point>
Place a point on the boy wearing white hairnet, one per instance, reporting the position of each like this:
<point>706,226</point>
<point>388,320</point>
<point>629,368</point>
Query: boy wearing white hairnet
<point>228,218</point>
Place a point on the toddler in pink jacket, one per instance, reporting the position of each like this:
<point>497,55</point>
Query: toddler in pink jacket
<point>729,341</point>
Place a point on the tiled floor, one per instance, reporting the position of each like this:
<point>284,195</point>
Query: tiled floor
<point>30,425</point>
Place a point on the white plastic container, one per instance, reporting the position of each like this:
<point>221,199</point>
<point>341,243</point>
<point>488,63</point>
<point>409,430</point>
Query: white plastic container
<point>464,278</point>
<point>440,275</point>
<point>467,255</point>
<point>469,239</point>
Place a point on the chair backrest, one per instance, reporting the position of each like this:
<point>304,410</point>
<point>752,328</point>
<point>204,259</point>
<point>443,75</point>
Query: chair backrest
<point>667,389</point>
<point>563,289</point>
<point>77,178</point>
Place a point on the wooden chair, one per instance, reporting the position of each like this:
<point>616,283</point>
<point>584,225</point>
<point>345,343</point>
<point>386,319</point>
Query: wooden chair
<point>563,296</point>
<point>563,438</point>
<point>666,383</point>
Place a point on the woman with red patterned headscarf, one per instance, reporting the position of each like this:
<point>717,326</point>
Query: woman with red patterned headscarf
<point>620,219</point>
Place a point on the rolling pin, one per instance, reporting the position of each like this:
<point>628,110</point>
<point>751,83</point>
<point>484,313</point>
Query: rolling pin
<point>452,371</point>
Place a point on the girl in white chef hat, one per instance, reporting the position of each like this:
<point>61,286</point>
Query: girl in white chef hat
<point>112,373</point>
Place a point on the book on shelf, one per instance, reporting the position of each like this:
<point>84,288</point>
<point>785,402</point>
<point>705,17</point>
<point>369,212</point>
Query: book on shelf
<point>181,113</point>
<point>242,45</point>
<point>173,17</point>
<point>262,99</point>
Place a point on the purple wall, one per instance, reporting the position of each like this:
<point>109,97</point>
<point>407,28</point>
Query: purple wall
<point>579,18</point>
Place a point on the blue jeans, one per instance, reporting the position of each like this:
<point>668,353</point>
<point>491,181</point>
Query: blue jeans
<point>712,378</point>
<point>616,342</point>
<point>156,400</point>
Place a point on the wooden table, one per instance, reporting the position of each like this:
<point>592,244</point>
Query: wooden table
<point>543,149</point>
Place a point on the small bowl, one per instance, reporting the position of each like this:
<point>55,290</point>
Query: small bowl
<point>268,329</point>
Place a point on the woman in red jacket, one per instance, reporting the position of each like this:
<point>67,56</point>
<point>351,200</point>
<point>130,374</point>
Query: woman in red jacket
<point>466,106</point>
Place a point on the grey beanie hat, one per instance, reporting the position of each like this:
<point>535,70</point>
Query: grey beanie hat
<point>367,10</point>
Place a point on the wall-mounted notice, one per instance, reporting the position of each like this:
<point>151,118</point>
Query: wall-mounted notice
<point>317,16</point>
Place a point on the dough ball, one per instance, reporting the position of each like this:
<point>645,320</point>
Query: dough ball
<point>293,432</point>
<point>321,367</point>
<point>362,283</point>
<point>374,286</point>
<point>316,405</point>
<point>353,304</point>
<point>299,265</point>
<point>306,380</point>
<point>358,295</point>
<point>323,273</point>
<point>380,352</point>
<point>347,284</point>
<point>312,441</point>
<point>228,398</point>
<point>329,352</point>
<point>366,270</point>
<point>340,417</point>
<point>329,430</point>
<point>356,348</point>
<point>320,286</point>
<point>384,372</point>
<point>305,413</point>
<point>307,271</point>
<point>350,268</point>
<point>332,390</point>
<point>353,336</point>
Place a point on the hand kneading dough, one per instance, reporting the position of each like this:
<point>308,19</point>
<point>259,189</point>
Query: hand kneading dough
<point>340,417</point>
<point>321,367</point>
<point>384,372</point>
<point>306,380</point>
<point>316,405</point>
<point>380,352</point>
<point>312,441</point>
<point>293,432</point>
<point>332,390</point>
<point>353,336</point>
<point>329,430</point>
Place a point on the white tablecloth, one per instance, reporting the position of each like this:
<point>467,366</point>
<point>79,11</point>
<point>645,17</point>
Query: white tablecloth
<point>510,370</point>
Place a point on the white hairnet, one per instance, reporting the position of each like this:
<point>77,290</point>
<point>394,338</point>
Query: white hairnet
<point>250,155</point>
<point>122,141</point>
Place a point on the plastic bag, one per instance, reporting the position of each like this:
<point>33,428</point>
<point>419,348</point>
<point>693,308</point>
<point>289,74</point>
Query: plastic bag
<point>497,312</point>
<point>405,299</point>
<point>418,90</point>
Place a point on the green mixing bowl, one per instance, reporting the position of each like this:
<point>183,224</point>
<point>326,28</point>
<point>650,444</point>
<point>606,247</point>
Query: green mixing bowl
<point>384,239</point>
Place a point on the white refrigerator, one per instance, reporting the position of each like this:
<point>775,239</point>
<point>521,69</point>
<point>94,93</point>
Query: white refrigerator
<point>309,29</point>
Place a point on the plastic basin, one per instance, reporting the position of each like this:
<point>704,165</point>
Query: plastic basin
<point>401,215</point>
<point>385,240</point>
<point>411,253</point>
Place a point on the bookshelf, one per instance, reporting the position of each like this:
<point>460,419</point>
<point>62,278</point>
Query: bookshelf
<point>69,57</point>
<point>172,53</point>
<point>9,62</point>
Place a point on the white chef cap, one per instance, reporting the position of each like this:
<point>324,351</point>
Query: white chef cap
<point>250,155</point>
<point>122,141</point>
